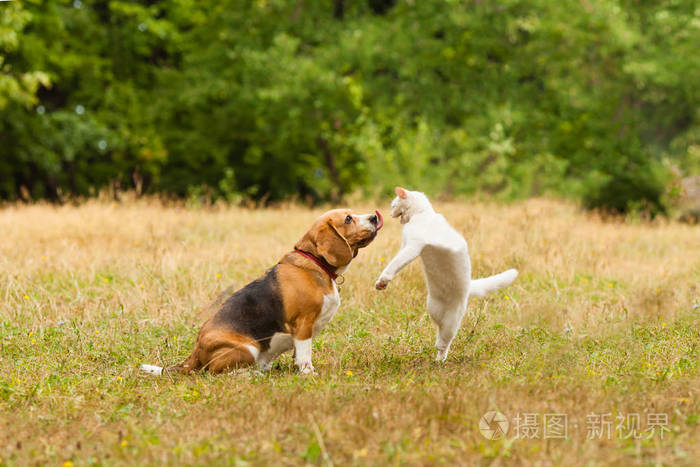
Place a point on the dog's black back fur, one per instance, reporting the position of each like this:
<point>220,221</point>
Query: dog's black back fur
<point>256,310</point>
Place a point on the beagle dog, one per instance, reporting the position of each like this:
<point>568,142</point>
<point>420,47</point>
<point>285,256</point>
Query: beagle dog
<point>285,308</point>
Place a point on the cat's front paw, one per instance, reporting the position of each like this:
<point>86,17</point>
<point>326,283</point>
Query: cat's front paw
<point>382,283</point>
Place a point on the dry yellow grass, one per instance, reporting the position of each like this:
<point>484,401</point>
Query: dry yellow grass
<point>603,319</point>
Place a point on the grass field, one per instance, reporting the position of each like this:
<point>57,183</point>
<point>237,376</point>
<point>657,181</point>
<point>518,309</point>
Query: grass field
<point>602,326</point>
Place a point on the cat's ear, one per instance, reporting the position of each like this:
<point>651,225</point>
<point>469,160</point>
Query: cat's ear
<point>400,192</point>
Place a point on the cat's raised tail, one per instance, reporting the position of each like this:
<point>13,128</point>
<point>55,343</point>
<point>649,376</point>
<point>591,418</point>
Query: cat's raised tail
<point>483,286</point>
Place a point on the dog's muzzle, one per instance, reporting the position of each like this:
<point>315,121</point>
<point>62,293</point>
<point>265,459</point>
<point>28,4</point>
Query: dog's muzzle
<point>376,220</point>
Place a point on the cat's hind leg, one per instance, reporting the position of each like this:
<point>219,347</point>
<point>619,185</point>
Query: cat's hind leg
<point>448,318</point>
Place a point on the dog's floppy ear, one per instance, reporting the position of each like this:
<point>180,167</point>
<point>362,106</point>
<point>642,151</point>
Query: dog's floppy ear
<point>400,192</point>
<point>333,246</point>
<point>326,242</point>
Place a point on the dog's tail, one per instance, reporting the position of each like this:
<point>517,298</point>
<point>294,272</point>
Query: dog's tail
<point>152,369</point>
<point>480,287</point>
<point>215,304</point>
<point>159,370</point>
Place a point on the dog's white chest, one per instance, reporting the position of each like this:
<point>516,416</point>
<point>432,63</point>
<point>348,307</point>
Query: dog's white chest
<point>331,302</point>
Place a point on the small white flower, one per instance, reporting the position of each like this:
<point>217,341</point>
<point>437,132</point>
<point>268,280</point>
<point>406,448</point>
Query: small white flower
<point>143,27</point>
<point>77,4</point>
<point>79,109</point>
<point>40,110</point>
<point>696,306</point>
<point>102,144</point>
<point>568,329</point>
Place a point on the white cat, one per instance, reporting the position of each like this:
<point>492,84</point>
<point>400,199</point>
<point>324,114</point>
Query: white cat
<point>445,264</point>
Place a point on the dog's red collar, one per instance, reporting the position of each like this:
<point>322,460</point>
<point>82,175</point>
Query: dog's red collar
<point>321,263</point>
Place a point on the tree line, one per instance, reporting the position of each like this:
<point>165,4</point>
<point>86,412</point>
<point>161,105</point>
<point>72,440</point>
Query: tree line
<point>270,99</point>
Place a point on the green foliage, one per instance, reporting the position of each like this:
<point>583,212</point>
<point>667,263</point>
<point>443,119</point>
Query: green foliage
<point>270,98</point>
<point>16,86</point>
<point>638,189</point>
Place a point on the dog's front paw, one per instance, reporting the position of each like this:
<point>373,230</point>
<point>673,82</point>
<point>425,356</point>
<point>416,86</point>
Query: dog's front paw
<point>381,284</point>
<point>307,368</point>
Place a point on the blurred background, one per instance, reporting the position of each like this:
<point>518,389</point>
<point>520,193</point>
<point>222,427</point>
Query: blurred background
<point>593,100</point>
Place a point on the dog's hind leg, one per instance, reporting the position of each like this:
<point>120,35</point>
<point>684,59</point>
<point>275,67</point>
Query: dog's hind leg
<point>231,357</point>
<point>218,350</point>
<point>279,343</point>
<point>222,350</point>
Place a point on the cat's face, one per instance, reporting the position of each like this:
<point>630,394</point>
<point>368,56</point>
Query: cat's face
<point>401,204</point>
